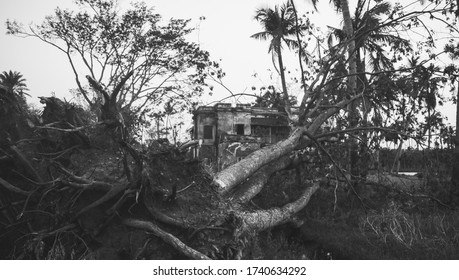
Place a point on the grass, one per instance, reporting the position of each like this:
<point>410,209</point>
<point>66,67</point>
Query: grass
<point>396,224</point>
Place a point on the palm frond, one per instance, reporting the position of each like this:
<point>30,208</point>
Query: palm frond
<point>292,44</point>
<point>381,8</point>
<point>278,24</point>
<point>261,35</point>
<point>14,81</point>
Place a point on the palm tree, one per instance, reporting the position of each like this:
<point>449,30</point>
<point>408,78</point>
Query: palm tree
<point>278,25</point>
<point>14,81</point>
<point>13,89</point>
<point>370,37</point>
<point>12,104</point>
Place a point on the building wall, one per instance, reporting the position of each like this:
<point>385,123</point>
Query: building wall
<point>227,121</point>
<point>232,152</point>
<point>202,120</point>
<point>227,147</point>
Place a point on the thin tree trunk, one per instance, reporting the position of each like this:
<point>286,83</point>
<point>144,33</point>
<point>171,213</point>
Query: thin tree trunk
<point>429,131</point>
<point>396,164</point>
<point>352,89</point>
<point>300,51</point>
<point>455,170</point>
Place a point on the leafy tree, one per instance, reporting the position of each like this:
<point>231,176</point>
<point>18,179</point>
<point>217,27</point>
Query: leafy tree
<point>131,59</point>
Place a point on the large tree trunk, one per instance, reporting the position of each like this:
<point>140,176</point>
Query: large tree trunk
<point>264,219</point>
<point>250,188</point>
<point>230,177</point>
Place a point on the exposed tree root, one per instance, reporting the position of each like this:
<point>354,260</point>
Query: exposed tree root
<point>114,191</point>
<point>167,237</point>
<point>12,188</point>
<point>163,218</point>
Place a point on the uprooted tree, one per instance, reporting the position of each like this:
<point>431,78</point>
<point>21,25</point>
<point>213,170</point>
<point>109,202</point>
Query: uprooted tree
<point>130,60</point>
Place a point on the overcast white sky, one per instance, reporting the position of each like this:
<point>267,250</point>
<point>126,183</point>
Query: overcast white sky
<point>225,33</point>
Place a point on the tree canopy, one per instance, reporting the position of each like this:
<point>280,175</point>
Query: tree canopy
<point>133,60</point>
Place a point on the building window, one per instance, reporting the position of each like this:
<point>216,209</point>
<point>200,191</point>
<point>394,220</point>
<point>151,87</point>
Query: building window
<point>240,129</point>
<point>208,132</point>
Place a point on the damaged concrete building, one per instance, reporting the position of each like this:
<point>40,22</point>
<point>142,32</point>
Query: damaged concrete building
<point>227,134</point>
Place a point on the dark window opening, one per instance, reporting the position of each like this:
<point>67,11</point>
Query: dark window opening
<point>208,132</point>
<point>240,129</point>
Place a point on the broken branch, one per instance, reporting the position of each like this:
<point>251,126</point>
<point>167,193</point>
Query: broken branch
<point>167,237</point>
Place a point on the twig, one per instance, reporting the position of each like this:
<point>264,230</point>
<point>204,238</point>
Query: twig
<point>429,197</point>
<point>185,188</point>
<point>60,153</point>
<point>59,230</point>
<point>337,166</point>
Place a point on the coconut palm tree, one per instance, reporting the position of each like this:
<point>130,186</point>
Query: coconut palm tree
<point>371,36</point>
<point>279,25</point>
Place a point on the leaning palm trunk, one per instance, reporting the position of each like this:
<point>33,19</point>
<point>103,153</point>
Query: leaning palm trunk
<point>353,113</point>
<point>284,84</point>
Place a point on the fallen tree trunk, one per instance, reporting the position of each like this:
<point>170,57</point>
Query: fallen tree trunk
<point>264,219</point>
<point>167,237</point>
<point>230,177</point>
<point>257,181</point>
